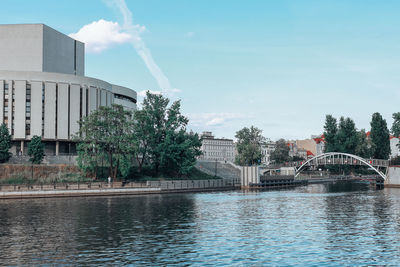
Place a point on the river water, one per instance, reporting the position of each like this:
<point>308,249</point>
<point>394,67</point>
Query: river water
<point>332,224</point>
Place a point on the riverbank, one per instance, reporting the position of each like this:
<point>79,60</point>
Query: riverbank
<point>113,189</point>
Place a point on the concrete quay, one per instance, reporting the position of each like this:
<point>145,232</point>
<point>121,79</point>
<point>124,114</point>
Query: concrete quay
<point>114,189</point>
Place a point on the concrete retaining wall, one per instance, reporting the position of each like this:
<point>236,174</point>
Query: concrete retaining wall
<point>39,171</point>
<point>393,177</point>
<point>250,175</point>
<point>190,184</point>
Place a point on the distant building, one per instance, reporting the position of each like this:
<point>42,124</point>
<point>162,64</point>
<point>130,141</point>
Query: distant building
<point>315,145</point>
<point>266,151</point>
<point>394,149</point>
<point>219,149</point>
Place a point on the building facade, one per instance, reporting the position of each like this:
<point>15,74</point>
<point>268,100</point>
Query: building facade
<point>266,151</point>
<point>394,148</point>
<point>217,149</point>
<point>43,90</point>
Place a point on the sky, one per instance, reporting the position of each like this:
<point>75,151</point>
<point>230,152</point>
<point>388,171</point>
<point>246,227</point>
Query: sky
<point>278,65</point>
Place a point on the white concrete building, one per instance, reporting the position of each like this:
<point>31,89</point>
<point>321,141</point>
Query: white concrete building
<point>394,149</point>
<point>43,90</point>
<point>266,150</point>
<point>219,149</point>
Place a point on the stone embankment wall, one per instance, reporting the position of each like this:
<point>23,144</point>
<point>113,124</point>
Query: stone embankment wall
<point>393,177</point>
<point>39,171</point>
<point>191,184</point>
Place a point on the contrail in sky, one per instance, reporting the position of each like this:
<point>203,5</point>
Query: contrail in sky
<point>141,48</point>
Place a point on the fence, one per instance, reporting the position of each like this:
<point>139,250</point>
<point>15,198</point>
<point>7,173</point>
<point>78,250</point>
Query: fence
<point>71,186</point>
<point>191,184</point>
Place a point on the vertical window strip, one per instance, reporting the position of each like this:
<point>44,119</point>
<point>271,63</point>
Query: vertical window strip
<point>5,103</point>
<point>12,111</point>
<point>28,107</point>
<point>56,109</point>
<point>69,110</point>
<point>43,108</point>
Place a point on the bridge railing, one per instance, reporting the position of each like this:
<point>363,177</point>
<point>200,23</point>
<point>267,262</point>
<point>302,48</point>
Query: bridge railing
<point>333,160</point>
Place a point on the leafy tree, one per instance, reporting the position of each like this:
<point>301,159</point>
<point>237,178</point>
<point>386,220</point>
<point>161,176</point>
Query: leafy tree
<point>105,134</point>
<point>346,136</point>
<point>363,148</point>
<point>281,152</point>
<point>89,156</point>
<point>161,137</point>
<point>330,133</point>
<point>150,129</point>
<point>380,137</point>
<point>249,141</point>
<point>179,153</point>
<point>36,150</point>
<point>5,143</point>
<point>396,124</point>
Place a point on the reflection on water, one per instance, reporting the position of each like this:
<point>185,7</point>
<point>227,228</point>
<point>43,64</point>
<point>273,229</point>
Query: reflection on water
<point>332,224</point>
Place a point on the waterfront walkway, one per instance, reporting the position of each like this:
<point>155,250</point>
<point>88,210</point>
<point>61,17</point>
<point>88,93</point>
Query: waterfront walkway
<point>113,189</point>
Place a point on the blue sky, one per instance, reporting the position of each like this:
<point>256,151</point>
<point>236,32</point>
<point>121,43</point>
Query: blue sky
<point>279,65</point>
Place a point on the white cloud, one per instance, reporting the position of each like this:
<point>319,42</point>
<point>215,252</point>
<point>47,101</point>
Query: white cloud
<point>190,34</point>
<point>205,120</point>
<point>100,35</point>
<point>141,48</point>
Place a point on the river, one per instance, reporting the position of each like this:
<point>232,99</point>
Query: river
<point>325,224</point>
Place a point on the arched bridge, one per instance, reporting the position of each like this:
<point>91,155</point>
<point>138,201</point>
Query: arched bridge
<point>337,158</point>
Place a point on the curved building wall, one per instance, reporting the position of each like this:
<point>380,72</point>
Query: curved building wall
<point>51,104</point>
<point>125,97</point>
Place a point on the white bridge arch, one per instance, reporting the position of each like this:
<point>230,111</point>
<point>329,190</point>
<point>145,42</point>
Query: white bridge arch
<point>333,158</point>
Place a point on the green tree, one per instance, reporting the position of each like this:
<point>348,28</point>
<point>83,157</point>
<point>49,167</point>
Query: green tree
<point>363,148</point>
<point>179,153</point>
<point>346,136</point>
<point>249,141</point>
<point>330,130</point>
<point>150,129</point>
<point>106,134</point>
<point>162,140</point>
<point>281,152</point>
<point>380,137</point>
<point>36,150</point>
<point>5,143</point>
<point>396,124</point>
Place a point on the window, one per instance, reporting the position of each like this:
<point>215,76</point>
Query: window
<point>28,110</point>
<point>126,98</point>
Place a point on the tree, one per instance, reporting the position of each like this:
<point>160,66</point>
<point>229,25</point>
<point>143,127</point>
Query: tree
<point>179,153</point>
<point>346,136</point>
<point>249,141</point>
<point>150,128</point>
<point>396,124</point>
<point>363,148</point>
<point>36,150</point>
<point>380,137</point>
<point>162,140</point>
<point>5,143</point>
<point>330,133</point>
<point>281,152</point>
<point>105,134</point>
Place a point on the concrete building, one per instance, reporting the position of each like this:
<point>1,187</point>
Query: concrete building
<point>43,90</point>
<point>266,150</point>
<point>219,149</point>
<point>314,146</point>
<point>394,149</point>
